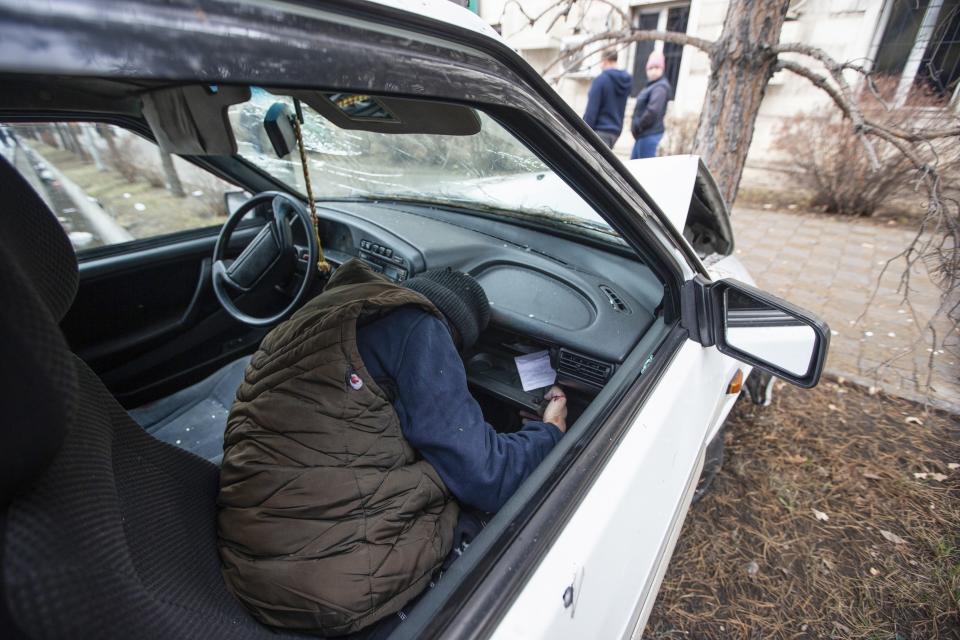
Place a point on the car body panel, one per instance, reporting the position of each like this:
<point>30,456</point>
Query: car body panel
<point>614,549</point>
<point>688,195</point>
<point>446,11</point>
<point>728,267</point>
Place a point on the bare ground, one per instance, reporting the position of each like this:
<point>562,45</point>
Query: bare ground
<point>142,208</point>
<point>819,525</point>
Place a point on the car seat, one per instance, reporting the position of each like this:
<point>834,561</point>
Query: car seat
<point>105,532</point>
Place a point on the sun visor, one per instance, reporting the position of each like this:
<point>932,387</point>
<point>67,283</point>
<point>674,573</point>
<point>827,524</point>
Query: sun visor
<point>382,114</point>
<point>192,120</point>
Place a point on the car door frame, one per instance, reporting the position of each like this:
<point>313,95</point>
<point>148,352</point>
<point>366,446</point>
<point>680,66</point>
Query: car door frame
<point>550,127</point>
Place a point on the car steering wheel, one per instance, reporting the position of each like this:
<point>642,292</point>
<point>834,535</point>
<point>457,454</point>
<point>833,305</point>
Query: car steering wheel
<point>271,247</point>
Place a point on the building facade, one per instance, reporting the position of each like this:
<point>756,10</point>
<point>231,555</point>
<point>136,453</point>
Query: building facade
<point>915,42</point>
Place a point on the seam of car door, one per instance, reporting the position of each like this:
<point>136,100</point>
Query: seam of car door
<point>474,605</point>
<point>641,611</point>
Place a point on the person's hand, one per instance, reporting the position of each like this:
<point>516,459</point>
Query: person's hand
<point>556,410</point>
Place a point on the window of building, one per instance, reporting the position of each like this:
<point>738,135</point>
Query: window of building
<point>673,17</point>
<point>919,48</point>
<point>107,185</point>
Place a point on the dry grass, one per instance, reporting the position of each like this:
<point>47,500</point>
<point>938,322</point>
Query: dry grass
<point>162,212</point>
<point>754,561</point>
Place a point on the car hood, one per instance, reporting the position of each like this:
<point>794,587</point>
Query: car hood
<point>670,181</point>
<point>536,192</point>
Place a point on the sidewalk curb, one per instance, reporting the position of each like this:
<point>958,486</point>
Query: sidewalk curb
<point>105,226</point>
<point>866,384</point>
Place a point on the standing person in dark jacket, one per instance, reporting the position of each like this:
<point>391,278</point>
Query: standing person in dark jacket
<point>607,99</point>
<point>647,122</point>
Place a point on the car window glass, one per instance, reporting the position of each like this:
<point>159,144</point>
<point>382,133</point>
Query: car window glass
<point>490,170</point>
<point>107,185</point>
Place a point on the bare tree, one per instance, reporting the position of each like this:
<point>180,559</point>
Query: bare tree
<point>742,61</point>
<point>172,178</point>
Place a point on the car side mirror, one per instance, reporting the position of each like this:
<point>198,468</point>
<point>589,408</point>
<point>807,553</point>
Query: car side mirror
<point>757,328</point>
<point>232,200</point>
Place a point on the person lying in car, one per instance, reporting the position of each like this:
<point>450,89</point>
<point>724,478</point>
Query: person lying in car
<point>351,446</point>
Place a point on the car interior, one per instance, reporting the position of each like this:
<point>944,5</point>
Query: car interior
<point>128,354</point>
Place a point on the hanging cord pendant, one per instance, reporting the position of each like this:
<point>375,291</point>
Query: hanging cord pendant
<point>322,265</point>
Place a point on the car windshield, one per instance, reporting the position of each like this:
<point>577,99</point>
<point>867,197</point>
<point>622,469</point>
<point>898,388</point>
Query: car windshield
<point>489,170</point>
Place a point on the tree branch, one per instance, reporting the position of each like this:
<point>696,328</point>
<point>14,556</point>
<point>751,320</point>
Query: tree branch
<point>836,70</point>
<point>844,101</point>
<point>623,38</point>
<point>616,9</point>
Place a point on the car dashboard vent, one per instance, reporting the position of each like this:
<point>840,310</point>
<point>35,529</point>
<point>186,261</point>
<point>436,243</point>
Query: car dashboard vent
<point>614,299</point>
<point>593,373</point>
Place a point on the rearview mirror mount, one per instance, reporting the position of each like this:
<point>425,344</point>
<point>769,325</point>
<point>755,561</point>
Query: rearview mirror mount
<point>278,123</point>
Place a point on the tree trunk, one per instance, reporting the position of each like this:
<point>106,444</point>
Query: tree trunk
<point>62,137</point>
<point>170,175</point>
<point>115,157</point>
<point>91,145</point>
<point>740,67</point>
<point>78,147</point>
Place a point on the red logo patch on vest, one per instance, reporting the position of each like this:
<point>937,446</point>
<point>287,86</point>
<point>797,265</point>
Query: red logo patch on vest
<point>355,381</point>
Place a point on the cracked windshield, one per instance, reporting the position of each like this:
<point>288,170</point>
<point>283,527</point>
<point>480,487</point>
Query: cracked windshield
<point>489,170</point>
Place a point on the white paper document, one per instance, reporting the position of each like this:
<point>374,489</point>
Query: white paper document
<point>535,370</point>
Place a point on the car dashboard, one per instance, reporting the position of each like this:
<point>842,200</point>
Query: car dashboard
<point>585,305</point>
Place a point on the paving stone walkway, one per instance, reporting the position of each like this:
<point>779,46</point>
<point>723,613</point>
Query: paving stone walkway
<point>830,266</point>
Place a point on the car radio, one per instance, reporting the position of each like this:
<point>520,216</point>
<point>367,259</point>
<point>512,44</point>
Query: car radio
<point>383,260</point>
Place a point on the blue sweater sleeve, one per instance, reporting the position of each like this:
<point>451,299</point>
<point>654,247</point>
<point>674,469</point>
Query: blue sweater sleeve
<point>481,468</point>
<point>594,96</point>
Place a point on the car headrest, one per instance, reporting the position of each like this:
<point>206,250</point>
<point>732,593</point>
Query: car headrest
<point>38,379</point>
<point>34,238</point>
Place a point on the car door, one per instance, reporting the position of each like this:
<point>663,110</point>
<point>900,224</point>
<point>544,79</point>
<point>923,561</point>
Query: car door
<point>144,316</point>
<point>601,576</point>
<point>581,548</point>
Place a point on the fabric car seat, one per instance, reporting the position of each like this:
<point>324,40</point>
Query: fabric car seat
<point>105,532</point>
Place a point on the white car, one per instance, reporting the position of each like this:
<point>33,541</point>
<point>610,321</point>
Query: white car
<point>429,143</point>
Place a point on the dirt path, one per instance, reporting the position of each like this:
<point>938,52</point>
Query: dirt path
<point>836,515</point>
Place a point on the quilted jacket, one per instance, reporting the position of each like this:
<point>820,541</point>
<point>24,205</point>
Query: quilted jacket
<point>328,518</point>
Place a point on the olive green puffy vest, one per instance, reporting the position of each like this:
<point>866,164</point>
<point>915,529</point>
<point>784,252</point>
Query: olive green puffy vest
<point>328,520</point>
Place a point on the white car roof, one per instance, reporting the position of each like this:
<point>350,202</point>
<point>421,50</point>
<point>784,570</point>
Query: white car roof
<point>445,11</point>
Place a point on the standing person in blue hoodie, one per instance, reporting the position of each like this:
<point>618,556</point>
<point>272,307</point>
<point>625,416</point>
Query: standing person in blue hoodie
<point>607,99</point>
<point>647,122</point>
